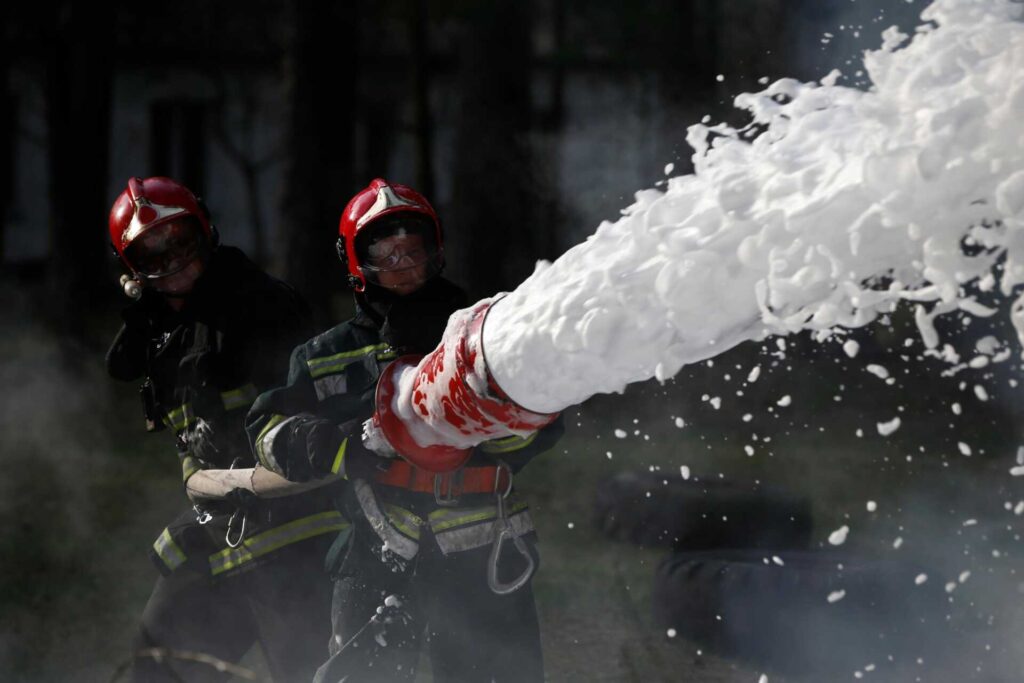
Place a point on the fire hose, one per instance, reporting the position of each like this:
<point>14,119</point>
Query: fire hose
<point>217,484</point>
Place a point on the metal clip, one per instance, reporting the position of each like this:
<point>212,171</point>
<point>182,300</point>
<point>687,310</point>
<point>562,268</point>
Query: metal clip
<point>202,516</point>
<point>448,499</point>
<point>241,532</point>
<point>504,531</point>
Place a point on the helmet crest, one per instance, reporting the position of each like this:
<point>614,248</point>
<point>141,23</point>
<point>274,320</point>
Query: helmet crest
<point>377,201</point>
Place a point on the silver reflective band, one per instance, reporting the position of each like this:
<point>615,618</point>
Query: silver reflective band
<point>396,542</point>
<point>331,385</point>
<point>479,535</point>
<point>265,442</point>
<point>168,551</point>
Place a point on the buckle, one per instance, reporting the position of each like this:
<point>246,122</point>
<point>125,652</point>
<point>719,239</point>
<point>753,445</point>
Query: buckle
<point>448,499</point>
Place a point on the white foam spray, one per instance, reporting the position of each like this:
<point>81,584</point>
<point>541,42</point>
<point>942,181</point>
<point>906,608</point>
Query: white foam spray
<point>833,207</point>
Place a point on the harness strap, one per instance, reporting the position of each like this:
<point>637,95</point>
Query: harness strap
<point>466,480</point>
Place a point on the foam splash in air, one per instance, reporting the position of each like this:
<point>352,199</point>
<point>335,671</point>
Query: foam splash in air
<point>833,207</point>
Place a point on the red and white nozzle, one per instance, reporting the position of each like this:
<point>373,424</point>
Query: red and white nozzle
<point>449,399</point>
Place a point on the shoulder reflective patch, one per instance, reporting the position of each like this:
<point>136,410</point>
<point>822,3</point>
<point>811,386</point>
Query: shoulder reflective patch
<point>168,551</point>
<point>454,540</point>
<point>242,397</point>
<point>318,367</point>
<point>508,444</point>
<point>274,539</point>
<point>330,385</point>
<point>397,542</point>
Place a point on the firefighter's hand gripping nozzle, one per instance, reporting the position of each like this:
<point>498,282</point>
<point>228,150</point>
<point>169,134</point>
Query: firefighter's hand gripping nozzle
<point>449,396</point>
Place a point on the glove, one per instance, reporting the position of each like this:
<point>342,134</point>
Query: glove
<point>202,441</point>
<point>374,440</point>
<point>242,499</point>
<point>361,461</point>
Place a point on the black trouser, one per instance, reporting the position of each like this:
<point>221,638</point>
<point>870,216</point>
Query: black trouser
<point>473,634</point>
<point>283,604</point>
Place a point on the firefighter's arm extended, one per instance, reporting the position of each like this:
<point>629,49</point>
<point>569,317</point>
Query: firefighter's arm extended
<point>289,437</point>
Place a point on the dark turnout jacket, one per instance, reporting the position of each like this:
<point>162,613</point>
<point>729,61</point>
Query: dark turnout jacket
<point>202,367</point>
<point>311,427</point>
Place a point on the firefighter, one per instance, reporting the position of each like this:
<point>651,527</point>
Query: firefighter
<point>206,332</point>
<point>415,561</point>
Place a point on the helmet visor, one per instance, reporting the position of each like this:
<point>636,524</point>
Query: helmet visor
<point>399,250</point>
<point>167,248</point>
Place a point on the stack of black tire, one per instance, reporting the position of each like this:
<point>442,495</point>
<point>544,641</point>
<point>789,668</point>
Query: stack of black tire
<point>743,581</point>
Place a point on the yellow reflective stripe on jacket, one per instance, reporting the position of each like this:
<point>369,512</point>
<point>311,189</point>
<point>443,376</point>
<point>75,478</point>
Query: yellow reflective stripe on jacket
<point>265,442</point>
<point>339,458</point>
<point>457,531</point>
<point>405,521</point>
<point>274,539</point>
<point>179,418</point>
<point>189,466</point>
<point>449,518</point>
<point>318,367</point>
<point>508,444</point>
<point>168,551</point>
<point>242,397</point>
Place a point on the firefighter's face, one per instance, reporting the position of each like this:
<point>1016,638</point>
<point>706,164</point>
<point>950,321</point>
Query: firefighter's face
<point>399,263</point>
<point>170,256</point>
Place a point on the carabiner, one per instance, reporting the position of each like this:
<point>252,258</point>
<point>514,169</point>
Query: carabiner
<point>504,532</point>
<point>493,583</point>
<point>241,532</point>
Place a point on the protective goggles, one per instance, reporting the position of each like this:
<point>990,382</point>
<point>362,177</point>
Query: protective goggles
<point>167,248</point>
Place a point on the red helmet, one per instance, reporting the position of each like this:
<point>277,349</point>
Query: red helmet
<point>380,200</point>
<point>148,203</point>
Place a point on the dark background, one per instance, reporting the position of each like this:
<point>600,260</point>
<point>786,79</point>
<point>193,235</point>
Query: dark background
<point>526,123</point>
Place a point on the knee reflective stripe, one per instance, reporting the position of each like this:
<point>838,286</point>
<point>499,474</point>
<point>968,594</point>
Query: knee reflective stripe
<point>242,397</point>
<point>168,551</point>
<point>508,444</point>
<point>276,538</point>
<point>179,418</point>
<point>328,365</point>
<point>398,542</point>
<point>265,442</point>
<point>475,528</point>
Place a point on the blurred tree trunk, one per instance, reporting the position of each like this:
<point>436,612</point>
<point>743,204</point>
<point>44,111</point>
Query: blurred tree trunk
<point>8,117</point>
<point>78,92</point>
<point>424,123</point>
<point>496,232</point>
<point>321,81</point>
